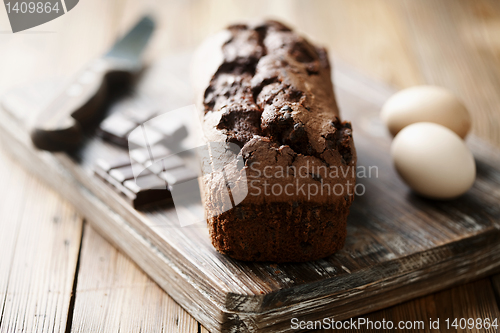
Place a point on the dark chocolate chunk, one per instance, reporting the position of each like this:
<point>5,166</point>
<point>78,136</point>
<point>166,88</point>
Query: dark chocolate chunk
<point>119,161</point>
<point>139,115</point>
<point>148,182</point>
<point>120,127</point>
<point>143,155</point>
<point>153,169</point>
<point>173,132</point>
<point>116,128</point>
<point>156,167</point>
<point>148,189</point>
<point>286,109</point>
<point>172,162</point>
<point>144,136</point>
<point>166,163</point>
<point>127,172</point>
<point>178,175</point>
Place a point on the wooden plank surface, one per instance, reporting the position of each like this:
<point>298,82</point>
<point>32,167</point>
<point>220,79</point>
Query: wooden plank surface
<point>495,280</point>
<point>398,242</point>
<point>40,241</point>
<point>448,304</point>
<point>375,36</point>
<point>114,295</point>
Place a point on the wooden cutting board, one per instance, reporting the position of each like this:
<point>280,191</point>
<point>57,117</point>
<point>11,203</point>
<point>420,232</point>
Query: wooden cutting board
<point>399,245</point>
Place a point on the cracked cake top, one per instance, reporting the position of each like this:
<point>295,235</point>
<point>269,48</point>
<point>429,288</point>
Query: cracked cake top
<point>269,91</point>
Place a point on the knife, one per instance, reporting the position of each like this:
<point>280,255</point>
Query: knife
<point>82,101</point>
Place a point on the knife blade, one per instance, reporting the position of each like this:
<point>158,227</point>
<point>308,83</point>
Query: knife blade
<point>82,101</point>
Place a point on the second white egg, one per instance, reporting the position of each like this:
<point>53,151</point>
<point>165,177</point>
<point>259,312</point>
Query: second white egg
<point>426,104</point>
<point>433,160</point>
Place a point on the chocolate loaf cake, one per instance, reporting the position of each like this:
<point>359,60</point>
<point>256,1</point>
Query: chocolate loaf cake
<point>267,90</point>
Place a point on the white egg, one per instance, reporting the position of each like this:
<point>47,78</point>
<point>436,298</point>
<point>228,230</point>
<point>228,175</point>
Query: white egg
<point>426,104</point>
<point>433,160</point>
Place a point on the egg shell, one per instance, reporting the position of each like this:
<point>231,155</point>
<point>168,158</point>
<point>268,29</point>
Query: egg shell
<point>426,104</point>
<point>433,161</point>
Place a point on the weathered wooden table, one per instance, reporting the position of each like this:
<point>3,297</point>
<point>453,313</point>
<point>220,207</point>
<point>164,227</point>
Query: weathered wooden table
<point>57,274</point>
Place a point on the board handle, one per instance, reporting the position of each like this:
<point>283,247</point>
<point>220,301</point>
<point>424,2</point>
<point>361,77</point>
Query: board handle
<point>82,101</point>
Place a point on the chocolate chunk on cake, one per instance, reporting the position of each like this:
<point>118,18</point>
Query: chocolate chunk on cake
<point>269,91</point>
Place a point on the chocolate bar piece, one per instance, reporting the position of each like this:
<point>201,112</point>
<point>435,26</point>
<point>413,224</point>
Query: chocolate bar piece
<point>143,155</point>
<point>128,116</point>
<point>178,175</point>
<point>120,161</point>
<point>154,167</point>
<point>127,172</point>
<point>116,129</point>
<point>148,189</point>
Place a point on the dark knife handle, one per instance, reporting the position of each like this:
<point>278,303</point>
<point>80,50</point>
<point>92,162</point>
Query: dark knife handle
<point>59,127</point>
